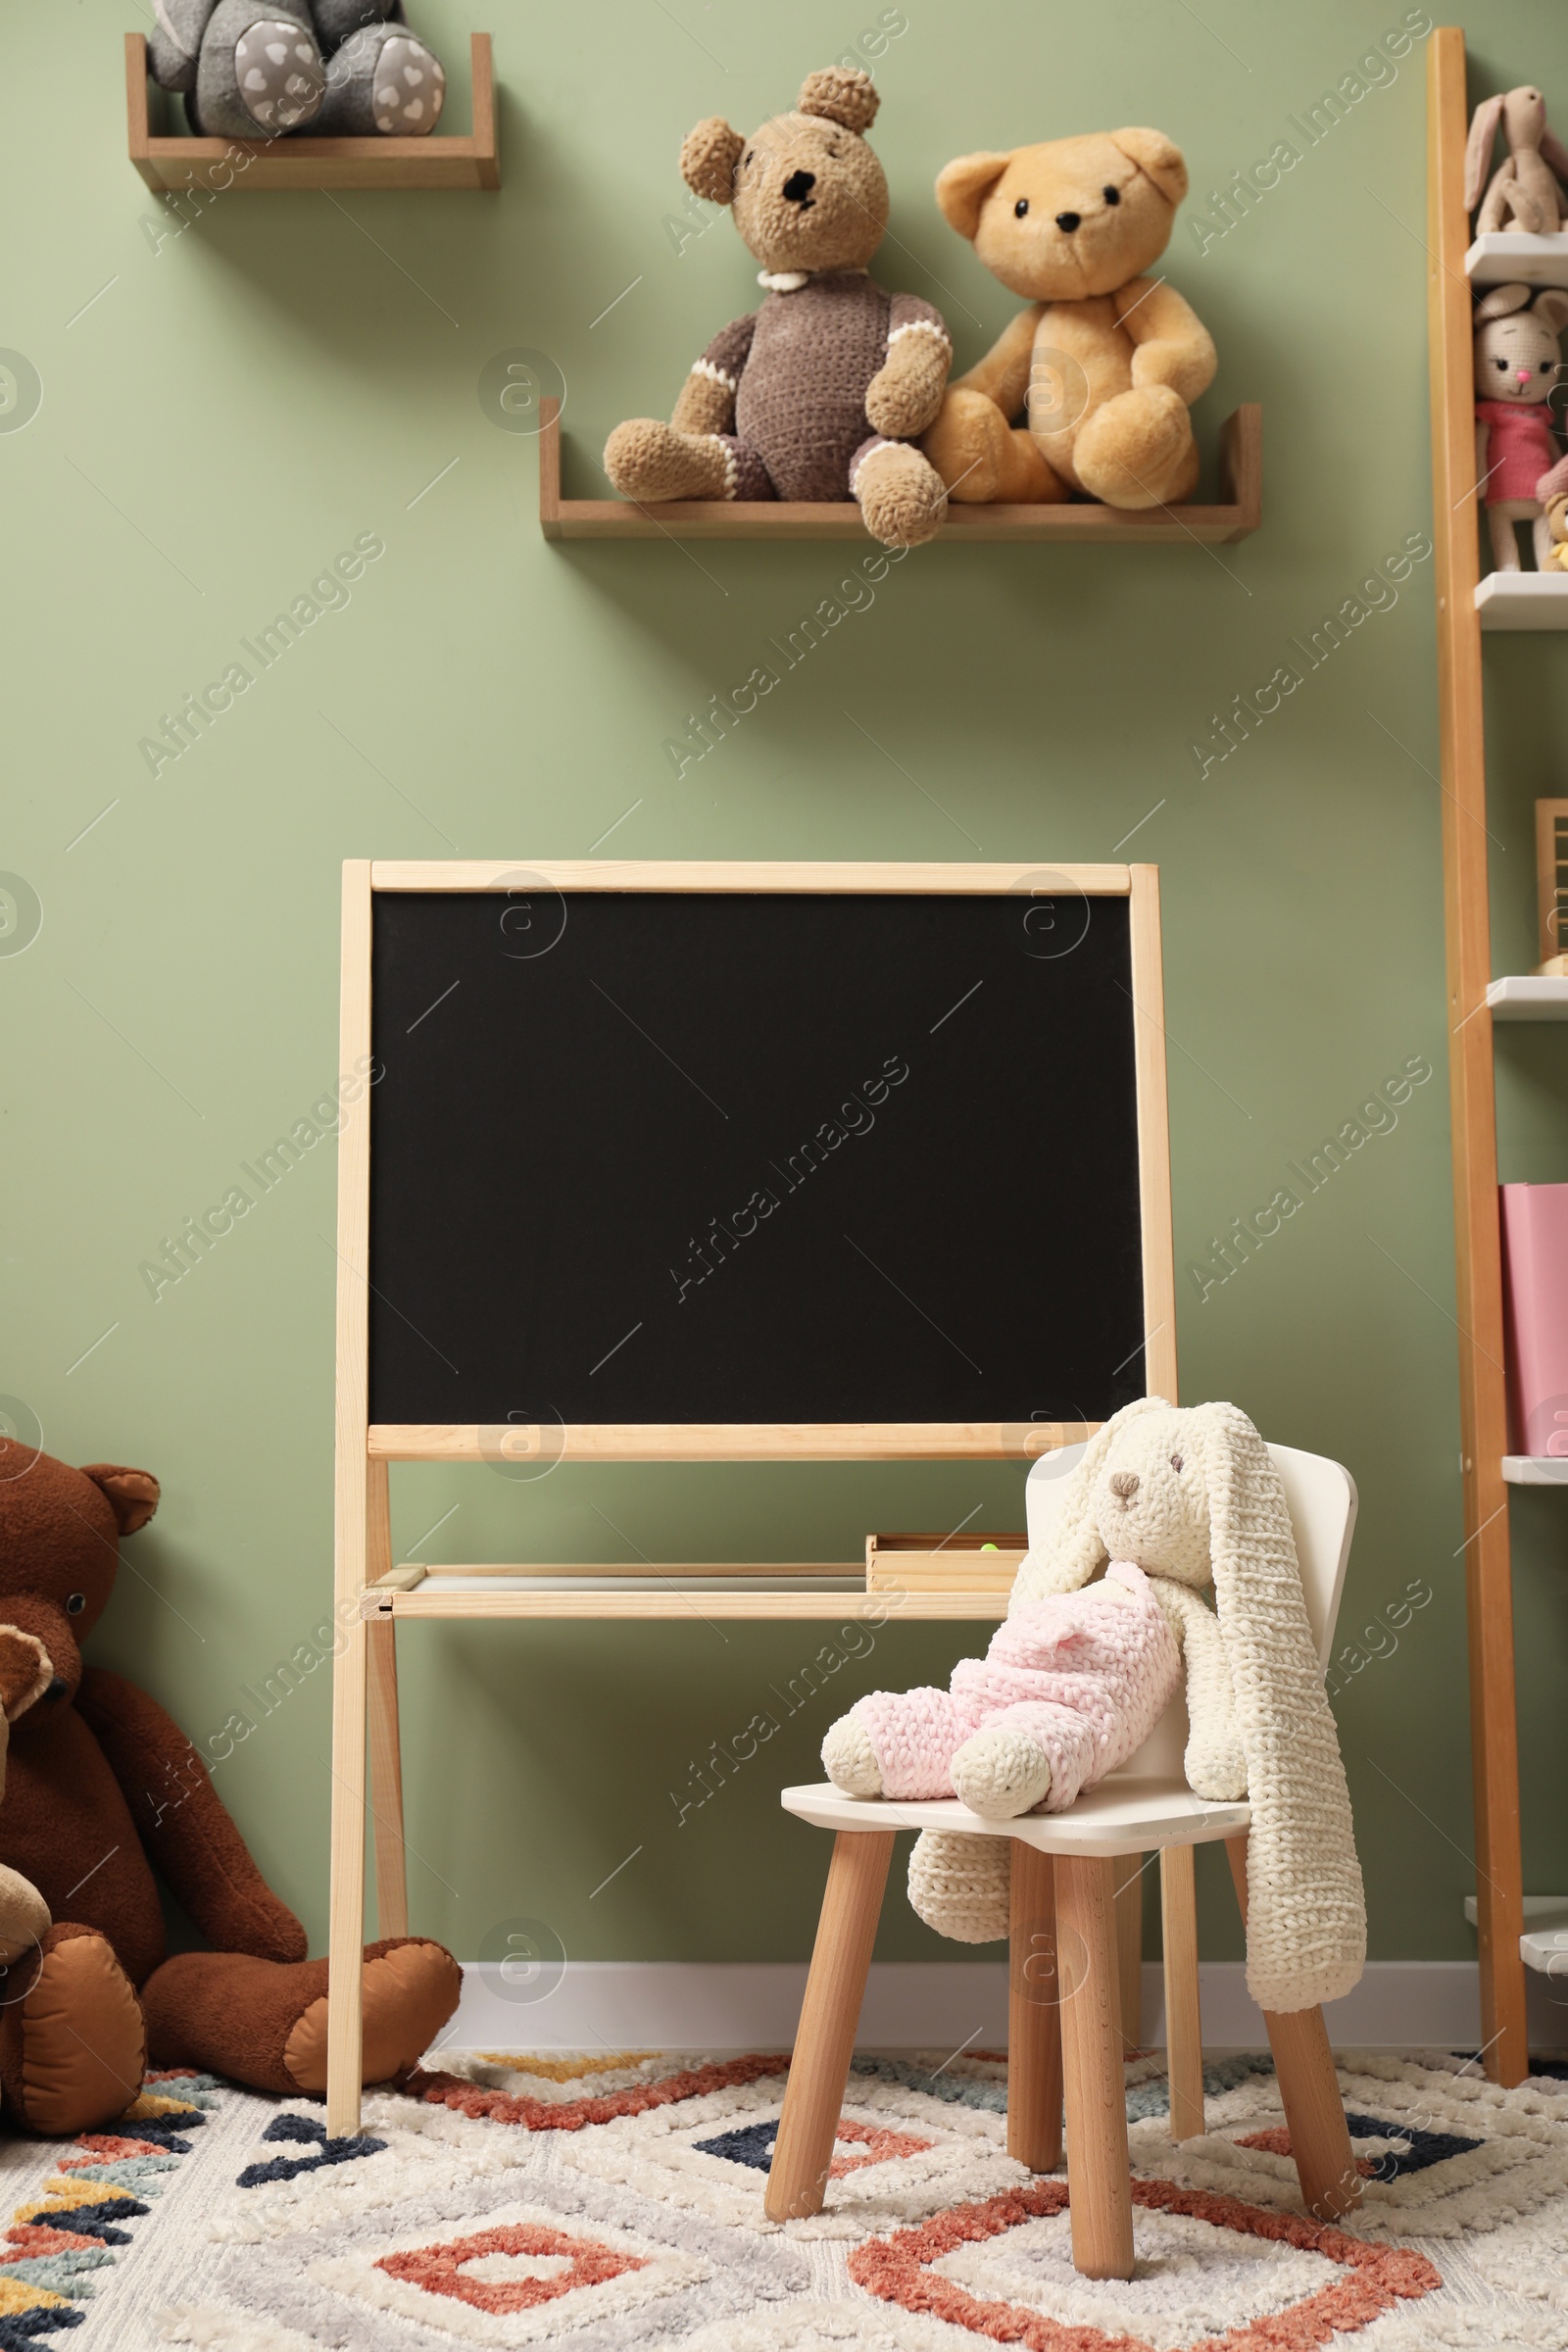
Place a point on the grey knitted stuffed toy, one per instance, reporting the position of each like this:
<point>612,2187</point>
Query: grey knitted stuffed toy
<point>259,68</point>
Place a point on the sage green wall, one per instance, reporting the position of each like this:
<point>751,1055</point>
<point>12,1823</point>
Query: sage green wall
<point>235,404</point>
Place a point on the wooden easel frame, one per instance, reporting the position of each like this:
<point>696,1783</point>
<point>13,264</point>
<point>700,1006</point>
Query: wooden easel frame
<point>372,1594</point>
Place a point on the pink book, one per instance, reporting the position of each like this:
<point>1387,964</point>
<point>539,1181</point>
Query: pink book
<point>1535,1289</point>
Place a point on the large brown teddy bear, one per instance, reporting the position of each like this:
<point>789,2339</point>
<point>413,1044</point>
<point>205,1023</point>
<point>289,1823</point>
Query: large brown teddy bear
<point>102,1789</point>
<point>819,393</point>
<point>1104,363</point>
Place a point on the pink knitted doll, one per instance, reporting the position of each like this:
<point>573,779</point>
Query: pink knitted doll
<point>1517,365</point>
<point>1080,1678</point>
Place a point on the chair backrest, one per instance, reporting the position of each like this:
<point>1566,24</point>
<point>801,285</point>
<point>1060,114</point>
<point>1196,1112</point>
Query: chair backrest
<point>1320,1497</point>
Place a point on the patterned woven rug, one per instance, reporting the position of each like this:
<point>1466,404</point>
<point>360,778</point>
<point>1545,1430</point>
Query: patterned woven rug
<point>616,2201</point>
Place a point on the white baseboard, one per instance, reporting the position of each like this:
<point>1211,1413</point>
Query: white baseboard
<point>930,2004</point>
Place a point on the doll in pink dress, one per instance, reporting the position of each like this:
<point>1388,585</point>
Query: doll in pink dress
<point>1517,365</point>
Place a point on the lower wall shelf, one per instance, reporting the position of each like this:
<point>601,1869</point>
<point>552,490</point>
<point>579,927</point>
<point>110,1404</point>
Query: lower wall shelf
<point>1240,469</point>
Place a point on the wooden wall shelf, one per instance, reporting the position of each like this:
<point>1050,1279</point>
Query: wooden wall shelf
<point>1528,997</point>
<point>1522,599</point>
<point>1241,469</point>
<point>1534,1470</point>
<point>1509,256</point>
<point>175,165</point>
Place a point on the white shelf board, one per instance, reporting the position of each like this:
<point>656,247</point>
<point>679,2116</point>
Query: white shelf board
<point>1535,1470</point>
<point>1543,1946</point>
<point>1505,255</point>
<point>1522,599</point>
<point>1528,997</point>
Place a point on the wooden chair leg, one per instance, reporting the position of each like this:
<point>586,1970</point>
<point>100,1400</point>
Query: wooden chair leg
<point>1130,1947</point>
<point>1184,2028</point>
<point>1033,2014</point>
<point>1099,2177</point>
<point>1309,2092</point>
<point>851,1904</point>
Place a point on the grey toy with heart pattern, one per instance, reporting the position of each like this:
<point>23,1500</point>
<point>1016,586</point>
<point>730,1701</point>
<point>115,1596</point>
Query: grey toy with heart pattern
<point>261,69</point>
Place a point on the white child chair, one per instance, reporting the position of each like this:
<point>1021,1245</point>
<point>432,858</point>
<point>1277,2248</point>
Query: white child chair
<point>1064,2036</point>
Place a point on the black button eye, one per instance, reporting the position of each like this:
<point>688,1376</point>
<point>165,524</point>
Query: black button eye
<point>1020,208</point>
<point>1111,195</point>
<point>1176,1461</point>
<point>75,1604</point>
<point>1501,366</point>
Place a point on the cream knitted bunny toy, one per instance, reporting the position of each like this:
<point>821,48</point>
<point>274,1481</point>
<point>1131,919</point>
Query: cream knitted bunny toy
<point>1191,1498</point>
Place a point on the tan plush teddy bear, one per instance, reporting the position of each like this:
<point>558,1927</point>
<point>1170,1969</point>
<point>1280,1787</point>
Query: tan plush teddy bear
<point>1104,363</point>
<point>818,393</point>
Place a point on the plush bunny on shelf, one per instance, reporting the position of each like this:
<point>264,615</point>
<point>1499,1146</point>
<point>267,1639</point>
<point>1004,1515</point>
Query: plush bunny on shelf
<point>1524,193</point>
<point>1517,365</point>
<point>1164,1506</point>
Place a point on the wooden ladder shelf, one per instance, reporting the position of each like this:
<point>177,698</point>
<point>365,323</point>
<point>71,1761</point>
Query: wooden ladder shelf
<point>1482,1401</point>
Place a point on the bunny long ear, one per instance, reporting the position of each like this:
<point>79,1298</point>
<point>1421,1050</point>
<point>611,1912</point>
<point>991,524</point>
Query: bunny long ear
<point>1478,149</point>
<point>1074,1550</point>
<point>1502,301</point>
<point>1306,1924</point>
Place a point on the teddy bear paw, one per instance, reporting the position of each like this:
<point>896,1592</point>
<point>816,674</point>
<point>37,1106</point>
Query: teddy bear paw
<point>900,493</point>
<point>1138,450</point>
<point>646,459</point>
<point>72,2045</point>
<point>1001,1773</point>
<point>967,445</point>
<point>849,1760</point>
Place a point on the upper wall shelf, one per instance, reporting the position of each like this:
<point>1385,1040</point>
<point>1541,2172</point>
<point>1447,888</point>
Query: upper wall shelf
<point>1509,254</point>
<point>1522,599</point>
<point>1528,997</point>
<point>1241,472</point>
<point>175,166</point>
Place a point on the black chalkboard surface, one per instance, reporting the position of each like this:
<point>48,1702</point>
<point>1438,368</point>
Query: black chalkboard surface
<point>748,1157</point>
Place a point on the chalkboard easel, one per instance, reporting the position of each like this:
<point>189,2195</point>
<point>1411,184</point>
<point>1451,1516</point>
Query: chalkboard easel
<point>722,1162</point>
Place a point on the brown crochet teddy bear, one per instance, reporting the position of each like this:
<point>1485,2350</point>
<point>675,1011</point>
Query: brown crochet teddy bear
<point>102,1789</point>
<point>821,393</point>
<point>1104,363</point>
